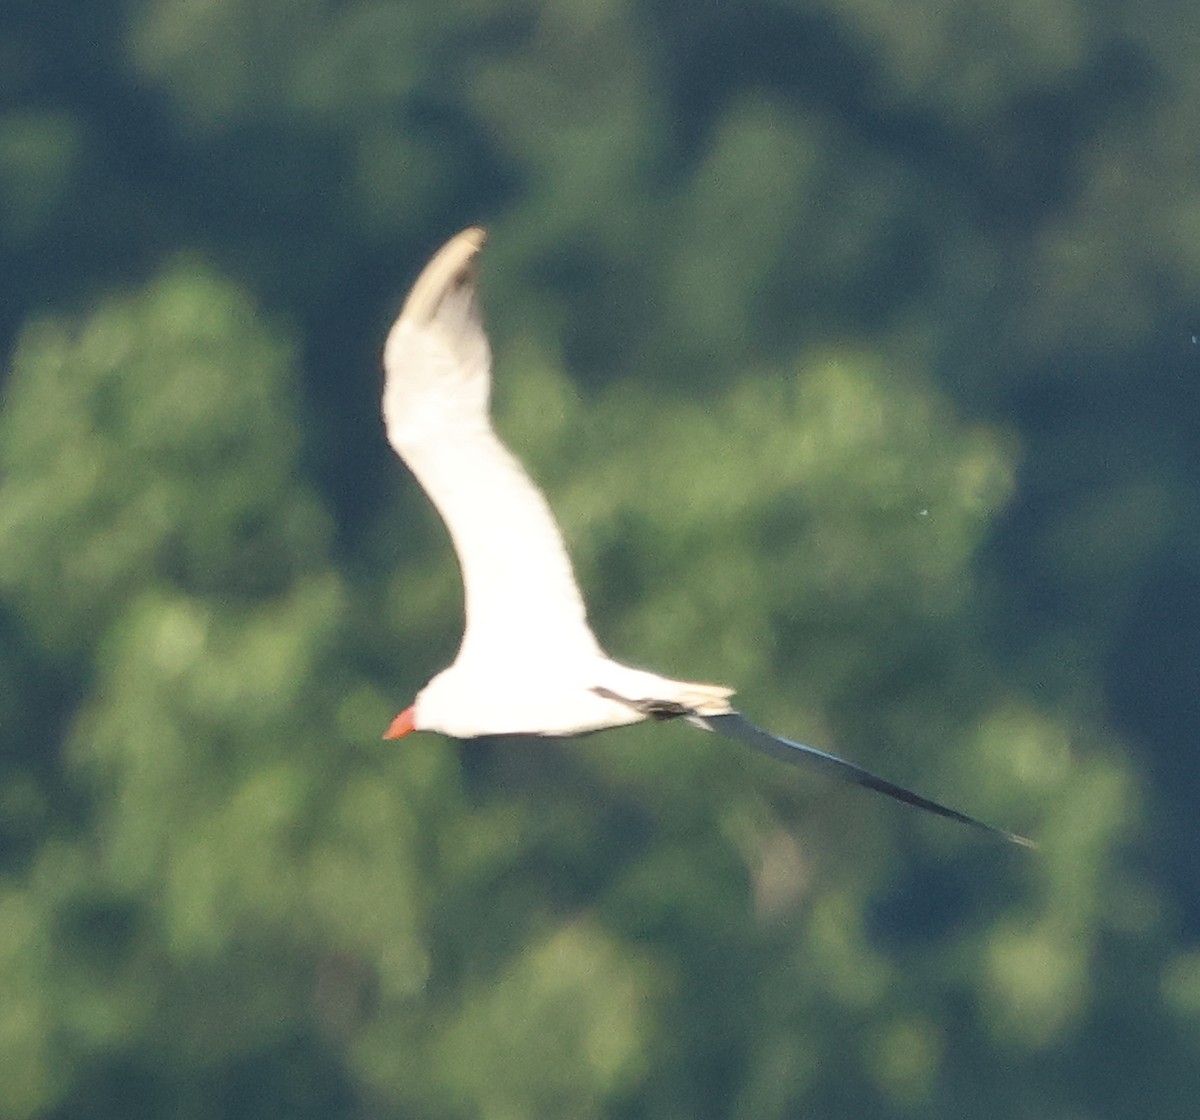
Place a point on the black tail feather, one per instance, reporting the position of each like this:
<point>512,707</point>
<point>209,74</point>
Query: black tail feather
<point>736,726</point>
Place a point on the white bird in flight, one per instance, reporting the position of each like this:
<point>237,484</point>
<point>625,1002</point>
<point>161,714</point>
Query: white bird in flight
<point>529,663</point>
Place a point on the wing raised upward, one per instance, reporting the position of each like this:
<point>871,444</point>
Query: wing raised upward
<point>521,595</point>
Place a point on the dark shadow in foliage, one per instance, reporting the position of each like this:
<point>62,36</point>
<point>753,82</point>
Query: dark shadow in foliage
<point>297,1077</point>
<point>357,298</point>
<point>1153,681</point>
<point>930,901</point>
<point>616,301</point>
<point>113,221</point>
<point>42,696</point>
<point>1017,168</point>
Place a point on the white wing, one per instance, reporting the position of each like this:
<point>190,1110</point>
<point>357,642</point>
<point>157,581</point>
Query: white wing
<point>522,602</point>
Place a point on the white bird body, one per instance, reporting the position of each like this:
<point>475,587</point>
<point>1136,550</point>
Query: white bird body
<point>529,663</point>
<point>544,696</point>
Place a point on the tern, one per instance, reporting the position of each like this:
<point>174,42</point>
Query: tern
<point>529,663</point>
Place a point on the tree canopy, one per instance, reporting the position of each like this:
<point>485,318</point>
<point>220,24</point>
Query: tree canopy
<point>855,347</point>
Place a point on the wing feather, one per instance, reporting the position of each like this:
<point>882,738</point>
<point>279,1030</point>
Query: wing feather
<point>522,600</point>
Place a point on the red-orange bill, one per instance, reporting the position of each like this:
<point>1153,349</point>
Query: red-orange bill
<point>401,725</point>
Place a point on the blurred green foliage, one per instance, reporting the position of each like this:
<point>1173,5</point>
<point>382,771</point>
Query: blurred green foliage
<point>855,347</point>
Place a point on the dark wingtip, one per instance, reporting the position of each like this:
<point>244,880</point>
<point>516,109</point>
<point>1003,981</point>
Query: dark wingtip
<point>453,266</point>
<point>476,235</point>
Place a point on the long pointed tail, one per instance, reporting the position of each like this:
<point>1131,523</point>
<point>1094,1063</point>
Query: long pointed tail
<point>736,726</point>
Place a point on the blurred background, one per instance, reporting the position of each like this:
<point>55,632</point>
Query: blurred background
<point>855,345</point>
